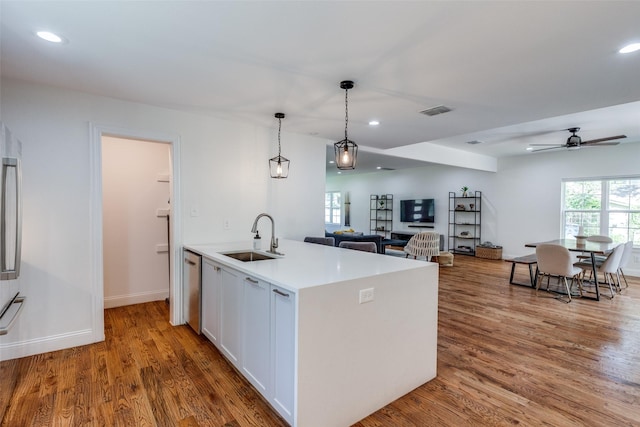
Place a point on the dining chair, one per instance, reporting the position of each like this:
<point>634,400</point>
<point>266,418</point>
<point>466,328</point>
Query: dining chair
<point>598,239</point>
<point>624,260</point>
<point>359,246</point>
<point>423,244</point>
<point>329,241</point>
<point>555,260</point>
<point>608,268</point>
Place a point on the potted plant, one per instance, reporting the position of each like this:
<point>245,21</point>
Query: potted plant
<point>464,191</point>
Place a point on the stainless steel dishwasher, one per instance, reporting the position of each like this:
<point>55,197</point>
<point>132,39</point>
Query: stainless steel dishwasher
<point>191,287</point>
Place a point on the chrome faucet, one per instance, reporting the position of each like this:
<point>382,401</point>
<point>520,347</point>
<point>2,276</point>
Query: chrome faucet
<point>274,242</point>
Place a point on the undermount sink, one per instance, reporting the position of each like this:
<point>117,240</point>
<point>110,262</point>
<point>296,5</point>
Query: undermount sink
<point>248,256</point>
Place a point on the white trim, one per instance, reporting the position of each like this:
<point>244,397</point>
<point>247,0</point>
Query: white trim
<point>136,298</point>
<point>26,348</point>
<point>95,152</point>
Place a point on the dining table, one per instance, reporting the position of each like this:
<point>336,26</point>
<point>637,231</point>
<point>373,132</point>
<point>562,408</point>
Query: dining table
<point>588,248</point>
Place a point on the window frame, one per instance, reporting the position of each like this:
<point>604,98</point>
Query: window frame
<point>331,207</point>
<point>604,211</point>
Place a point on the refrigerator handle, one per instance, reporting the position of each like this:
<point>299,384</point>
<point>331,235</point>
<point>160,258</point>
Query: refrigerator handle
<point>7,273</point>
<point>16,301</point>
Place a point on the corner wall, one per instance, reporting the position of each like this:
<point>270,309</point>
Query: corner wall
<point>223,175</point>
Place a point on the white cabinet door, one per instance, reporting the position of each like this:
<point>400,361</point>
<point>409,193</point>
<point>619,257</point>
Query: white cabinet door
<point>255,337</point>
<point>230,315</point>
<point>211,282</point>
<point>283,317</point>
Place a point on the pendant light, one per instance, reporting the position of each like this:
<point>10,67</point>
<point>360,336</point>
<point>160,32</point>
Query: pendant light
<point>279,166</point>
<point>346,150</point>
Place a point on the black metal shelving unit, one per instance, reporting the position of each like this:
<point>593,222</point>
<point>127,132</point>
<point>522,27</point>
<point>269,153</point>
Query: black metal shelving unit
<point>381,214</point>
<point>465,216</point>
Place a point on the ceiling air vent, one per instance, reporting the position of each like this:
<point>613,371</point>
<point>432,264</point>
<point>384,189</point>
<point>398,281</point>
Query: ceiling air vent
<point>474,142</point>
<point>434,111</point>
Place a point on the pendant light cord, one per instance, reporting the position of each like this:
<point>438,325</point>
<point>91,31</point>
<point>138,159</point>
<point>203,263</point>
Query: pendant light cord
<point>346,113</point>
<point>279,127</point>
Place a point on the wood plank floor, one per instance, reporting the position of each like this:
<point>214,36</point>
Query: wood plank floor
<point>505,357</point>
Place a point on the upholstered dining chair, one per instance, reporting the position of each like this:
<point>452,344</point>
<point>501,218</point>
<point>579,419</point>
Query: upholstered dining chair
<point>359,246</point>
<point>608,268</point>
<point>555,260</point>
<point>423,244</point>
<point>598,239</point>
<point>624,260</point>
<point>329,241</point>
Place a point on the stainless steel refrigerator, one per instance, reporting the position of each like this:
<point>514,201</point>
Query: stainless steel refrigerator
<point>11,302</point>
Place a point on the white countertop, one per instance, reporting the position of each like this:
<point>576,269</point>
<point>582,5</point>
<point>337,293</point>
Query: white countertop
<point>307,264</point>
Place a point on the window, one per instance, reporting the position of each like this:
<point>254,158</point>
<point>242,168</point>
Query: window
<point>332,209</point>
<point>605,206</point>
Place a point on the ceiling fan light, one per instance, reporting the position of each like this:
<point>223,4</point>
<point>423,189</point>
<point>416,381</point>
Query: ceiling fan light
<point>573,140</point>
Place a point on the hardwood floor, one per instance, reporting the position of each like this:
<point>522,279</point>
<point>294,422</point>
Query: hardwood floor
<point>505,357</point>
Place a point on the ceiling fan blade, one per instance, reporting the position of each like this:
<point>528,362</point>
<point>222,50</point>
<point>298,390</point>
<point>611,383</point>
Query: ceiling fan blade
<point>598,144</point>
<point>609,138</point>
<point>547,145</point>
<point>548,148</point>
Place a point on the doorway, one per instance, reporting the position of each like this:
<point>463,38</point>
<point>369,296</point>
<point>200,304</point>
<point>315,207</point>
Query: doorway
<point>135,220</point>
<point>97,132</point>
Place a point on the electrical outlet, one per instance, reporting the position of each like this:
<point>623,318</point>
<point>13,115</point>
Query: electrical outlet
<point>226,224</point>
<point>366,295</point>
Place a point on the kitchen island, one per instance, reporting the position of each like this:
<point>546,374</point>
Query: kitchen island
<point>327,335</point>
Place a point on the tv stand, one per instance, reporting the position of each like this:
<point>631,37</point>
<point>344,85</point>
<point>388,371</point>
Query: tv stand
<point>399,239</point>
<point>420,226</point>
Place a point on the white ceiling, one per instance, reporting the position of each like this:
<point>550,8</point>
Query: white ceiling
<point>513,72</point>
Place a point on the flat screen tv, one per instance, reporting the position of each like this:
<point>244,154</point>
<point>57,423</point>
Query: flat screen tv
<point>418,210</point>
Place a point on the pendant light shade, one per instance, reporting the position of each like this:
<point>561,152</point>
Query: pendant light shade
<point>346,150</point>
<point>279,166</point>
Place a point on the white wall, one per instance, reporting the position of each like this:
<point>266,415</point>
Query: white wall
<point>521,201</point>
<point>135,269</point>
<point>430,182</point>
<point>224,174</point>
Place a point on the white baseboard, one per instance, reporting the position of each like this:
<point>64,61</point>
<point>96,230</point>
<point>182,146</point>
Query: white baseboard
<point>137,298</point>
<point>44,345</point>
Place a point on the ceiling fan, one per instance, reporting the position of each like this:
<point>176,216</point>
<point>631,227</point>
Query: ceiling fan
<point>574,142</point>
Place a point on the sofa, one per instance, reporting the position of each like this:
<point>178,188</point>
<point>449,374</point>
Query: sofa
<point>357,237</point>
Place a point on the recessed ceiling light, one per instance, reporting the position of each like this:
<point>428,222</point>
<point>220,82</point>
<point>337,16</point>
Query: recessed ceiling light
<point>529,148</point>
<point>374,123</point>
<point>331,162</point>
<point>49,36</point>
<point>339,172</point>
<point>379,167</point>
<point>630,48</point>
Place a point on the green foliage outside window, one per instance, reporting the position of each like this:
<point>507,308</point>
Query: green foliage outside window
<point>603,207</point>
